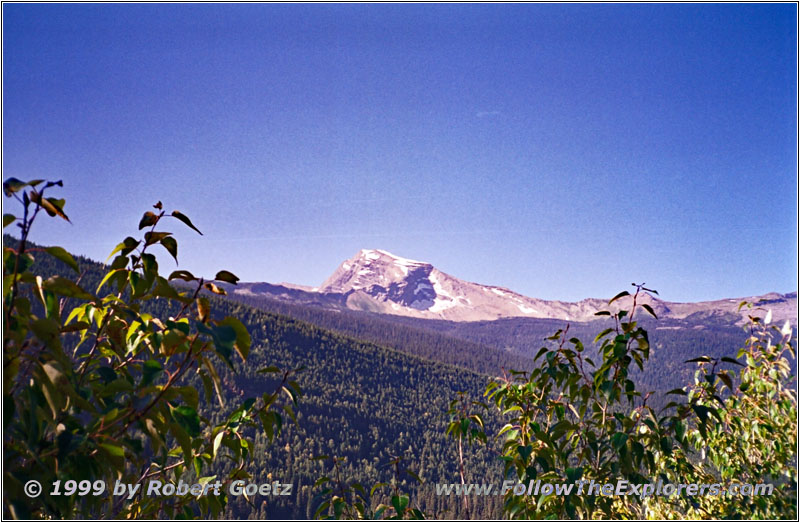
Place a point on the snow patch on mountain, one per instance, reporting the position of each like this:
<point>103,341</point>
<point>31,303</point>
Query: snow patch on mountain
<point>443,300</point>
<point>370,255</point>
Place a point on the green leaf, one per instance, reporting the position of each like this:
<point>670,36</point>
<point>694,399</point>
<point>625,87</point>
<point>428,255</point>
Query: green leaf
<point>212,371</point>
<point>525,452</point>
<point>190,395</point>
<point>618,440</point>
<point>118,385</point>
<point>680,430</point>
<point>183,440</point>
<point>217,442</point>
<point>288,410</point>
<point>574,474</point>
<point>114,450</point>
<point>243,341</point>
<point>224,337</point>
<point>148,219</point>
<point>182,275</point>
<point>741,304</point>
<point>187,418</point>
<point>154,237</point>
<point>114,453</point>
<point>12,185</point>
<point>120,262</point>
<point>678,391</point>
<point>207,386</point>
<point>560,428</point>
<point>120,274</point>
<point>726,379</point>
<point>171,245</point>
<point>61,254</point>
<point>67,288</point>
<point>464,426</point>
<point>267,423</point>
<point>665,445</point>
<point>164,289</point>
<point>150,265</point>
<point>125,248</point>
<point>731,360</point>
<point>47,330</point>
<point>701,359</point>
<point>601,334</point>
<point>539,354</point>
<point>56,207</point>
<point>139,284</point>
<point>414,476</point>
<point>185,219</point>
<point>226,276</point>
<point>702,412</point>
<point>618,296</point>
<point>650,310</point>
<point>52,206</point>
<point>8,219</point>
<point>107,374</point>
<point>150,370</point>
<point>400,503</point>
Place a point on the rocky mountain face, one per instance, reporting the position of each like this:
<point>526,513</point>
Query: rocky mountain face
<point>378,281</point>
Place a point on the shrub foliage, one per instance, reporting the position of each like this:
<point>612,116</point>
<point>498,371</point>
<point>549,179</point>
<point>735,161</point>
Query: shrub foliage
<point>95,387</point>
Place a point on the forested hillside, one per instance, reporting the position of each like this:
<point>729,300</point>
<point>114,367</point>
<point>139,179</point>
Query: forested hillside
<point>511,343</point>
<point>417,338</point>
<point>362,402</point>
<point>673,341</point>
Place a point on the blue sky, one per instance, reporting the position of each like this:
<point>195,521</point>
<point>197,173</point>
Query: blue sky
<point>561,150</point>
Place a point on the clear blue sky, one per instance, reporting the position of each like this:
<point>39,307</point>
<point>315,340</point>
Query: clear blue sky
<point>563,151</point>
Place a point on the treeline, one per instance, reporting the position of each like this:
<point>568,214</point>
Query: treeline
<point>418,339</point>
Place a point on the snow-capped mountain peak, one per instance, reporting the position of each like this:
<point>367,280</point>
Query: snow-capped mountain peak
<point>380,281</point>
<point>381,274</point>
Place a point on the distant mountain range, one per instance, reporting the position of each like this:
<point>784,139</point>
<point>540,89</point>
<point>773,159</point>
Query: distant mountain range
<point>377,281</point>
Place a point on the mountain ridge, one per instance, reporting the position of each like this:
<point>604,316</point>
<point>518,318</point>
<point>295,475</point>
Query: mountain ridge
<point>375,280</point>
